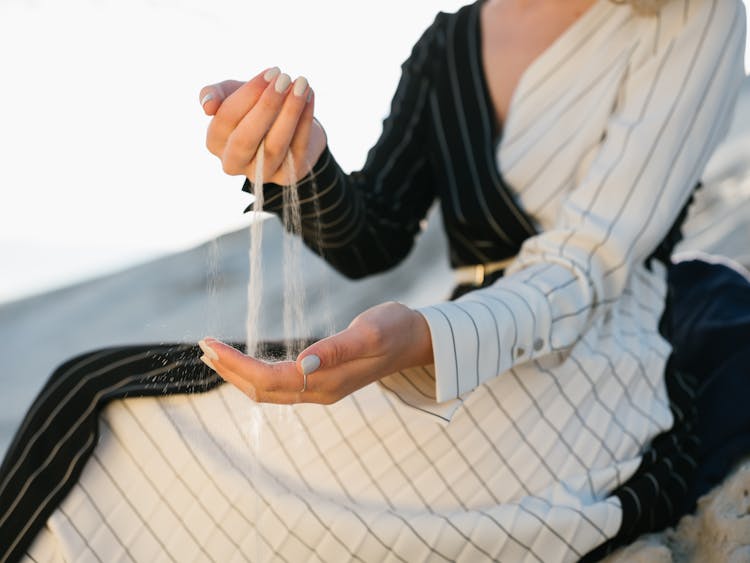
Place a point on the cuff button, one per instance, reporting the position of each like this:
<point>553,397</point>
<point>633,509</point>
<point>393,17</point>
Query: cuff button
<point>520,352</point>
<point>538,344</point>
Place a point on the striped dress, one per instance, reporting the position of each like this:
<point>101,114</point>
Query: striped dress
<point>539,434</point>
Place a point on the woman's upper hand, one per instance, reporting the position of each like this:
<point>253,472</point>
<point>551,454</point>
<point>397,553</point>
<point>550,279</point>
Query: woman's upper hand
<point>382,340</point>
<point>269,108</point>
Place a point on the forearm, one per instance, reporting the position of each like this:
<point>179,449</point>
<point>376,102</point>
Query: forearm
<point>365,222</point>
<point>356,231</point>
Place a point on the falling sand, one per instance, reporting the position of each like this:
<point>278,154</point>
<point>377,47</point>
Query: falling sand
<point>255,283</point>
<point>296,327</point>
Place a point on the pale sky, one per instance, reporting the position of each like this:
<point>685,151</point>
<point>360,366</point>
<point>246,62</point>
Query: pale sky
<point>101,135</point>
<point>102,158</point>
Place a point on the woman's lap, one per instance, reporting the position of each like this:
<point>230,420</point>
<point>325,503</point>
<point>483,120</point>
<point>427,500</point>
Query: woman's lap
<point>193,457</point>
<point>289,469</point>
<point>60,430</point>
<point>362,477</point>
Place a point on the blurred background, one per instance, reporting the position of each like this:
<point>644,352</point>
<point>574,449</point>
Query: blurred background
<point>117,226</point>
<point>109,197</point>
<point>102,137</point>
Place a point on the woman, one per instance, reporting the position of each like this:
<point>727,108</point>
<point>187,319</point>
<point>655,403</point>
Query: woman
<point>563,140</point>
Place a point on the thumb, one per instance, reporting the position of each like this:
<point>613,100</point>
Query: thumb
<point>212,96</point>
<point>350,344</point>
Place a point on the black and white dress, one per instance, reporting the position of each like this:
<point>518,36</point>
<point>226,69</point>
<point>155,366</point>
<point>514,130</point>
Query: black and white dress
<point>532,436</point>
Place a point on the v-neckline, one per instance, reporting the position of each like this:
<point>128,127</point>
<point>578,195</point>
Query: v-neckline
<point>534,67</point>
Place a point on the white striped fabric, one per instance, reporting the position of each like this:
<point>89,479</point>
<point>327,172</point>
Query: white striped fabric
<point>211,477</point>
<point>604,161</point>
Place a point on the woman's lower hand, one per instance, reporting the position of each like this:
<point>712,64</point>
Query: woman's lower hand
<point>269,108</point>
<point>382,340</point>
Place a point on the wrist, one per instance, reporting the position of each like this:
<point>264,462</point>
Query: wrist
<point>422,340</point>
<point>318,143</point>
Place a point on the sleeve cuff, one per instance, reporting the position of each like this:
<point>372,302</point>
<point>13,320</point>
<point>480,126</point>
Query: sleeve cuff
<point>486,333</point>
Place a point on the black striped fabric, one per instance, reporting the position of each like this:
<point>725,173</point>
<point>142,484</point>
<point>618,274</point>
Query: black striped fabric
<point>437,143</point>
<point>658,494</point>
<point>60,431</point>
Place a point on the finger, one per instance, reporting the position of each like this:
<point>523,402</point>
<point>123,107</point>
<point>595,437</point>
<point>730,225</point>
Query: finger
<point>212,96</point>
<point>262,376</point>
<point>238,103</point>
<point>352,344</point>
<point>281,382</point>
<point>301,140</point>
<point>259,396</point>
<point>243,142</point>
<point>279,136</point>
<point>233,107</point>
<point>231,377</point>
<point>279,397</point>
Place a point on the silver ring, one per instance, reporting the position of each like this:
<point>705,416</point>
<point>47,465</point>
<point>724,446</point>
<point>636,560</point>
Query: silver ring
<point>304,383</point>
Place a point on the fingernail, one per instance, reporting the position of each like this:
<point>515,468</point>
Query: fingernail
<point>207,98</point>
<point>309,96</point>
<point>300,85</point>
<point>208,362</point>
<point>207,350</point>
<point>310,364</point>
<point>271,73</point>
<point>282,83</point>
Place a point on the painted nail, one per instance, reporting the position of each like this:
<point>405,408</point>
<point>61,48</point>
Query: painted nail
<point>300,85</point>
<point>207,98</point>
<point>310,364</point>
<point>309,96</point>
<point>208,351</point>
<point>208,362</point>
<point>282,83</point>
<point>271,73</point>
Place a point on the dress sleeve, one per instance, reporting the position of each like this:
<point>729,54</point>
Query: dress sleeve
<point>673,108</point>
<point>369,219</point>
